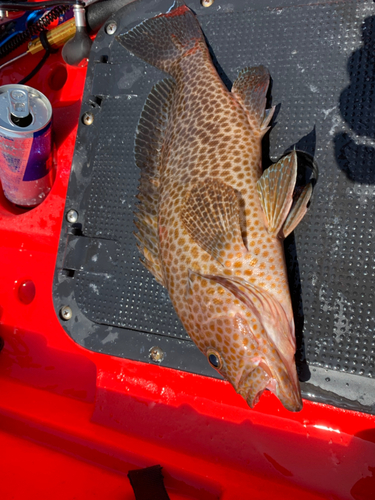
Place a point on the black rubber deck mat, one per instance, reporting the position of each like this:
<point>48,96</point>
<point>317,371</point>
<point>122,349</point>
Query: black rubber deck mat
<point>322,61</point>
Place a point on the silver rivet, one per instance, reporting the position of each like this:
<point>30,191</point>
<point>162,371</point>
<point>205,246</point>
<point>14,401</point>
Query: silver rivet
<point>111,28</point>
<point>207,3</point>
<point>88,118</point>
<point>72,216</point>
<point>66,313</point>
<point>156,354</point>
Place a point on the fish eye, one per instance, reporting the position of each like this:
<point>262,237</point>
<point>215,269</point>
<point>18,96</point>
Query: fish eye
<point>214,359</point>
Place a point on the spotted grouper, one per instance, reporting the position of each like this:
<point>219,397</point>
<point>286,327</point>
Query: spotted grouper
<point>210,223</point>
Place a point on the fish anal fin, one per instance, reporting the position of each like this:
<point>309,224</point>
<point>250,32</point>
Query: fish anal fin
<point>250,90</point>
<point>298,211</point>
<point>211,216</point>
<point>275,189</point>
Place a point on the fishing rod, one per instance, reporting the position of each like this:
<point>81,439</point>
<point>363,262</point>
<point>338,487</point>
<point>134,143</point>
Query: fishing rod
<point>73,34</point>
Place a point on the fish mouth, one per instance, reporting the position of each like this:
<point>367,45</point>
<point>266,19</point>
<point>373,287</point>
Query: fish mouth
<point>254,382</point>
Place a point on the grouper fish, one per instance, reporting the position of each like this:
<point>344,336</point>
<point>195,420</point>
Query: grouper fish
<point>210,223</point>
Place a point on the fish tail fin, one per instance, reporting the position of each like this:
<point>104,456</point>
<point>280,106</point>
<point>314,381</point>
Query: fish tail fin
<point>164,39</point>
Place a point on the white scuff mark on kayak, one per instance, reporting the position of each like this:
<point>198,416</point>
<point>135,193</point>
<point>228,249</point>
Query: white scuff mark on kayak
<point>363,192</point>
<point>337,121</point>
<point>111,337</point>
<point>323,297</point>
<point>130,77</point>
<point>341,326</point>
<point>327,112</point>
<point>94,288</point>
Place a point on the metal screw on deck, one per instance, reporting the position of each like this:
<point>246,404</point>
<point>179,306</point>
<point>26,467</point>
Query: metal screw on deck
<point>88,118</point>
<point>66,313</point>
<point>156,354</point>
<point>111,28</point>
<point>72,216</point>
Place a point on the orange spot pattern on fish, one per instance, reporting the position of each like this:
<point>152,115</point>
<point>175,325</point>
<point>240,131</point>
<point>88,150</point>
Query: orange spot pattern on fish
<point>210,136</point>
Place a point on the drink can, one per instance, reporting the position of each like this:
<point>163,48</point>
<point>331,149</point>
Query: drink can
<point>25,144</point>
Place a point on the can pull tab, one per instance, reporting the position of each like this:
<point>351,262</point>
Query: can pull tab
<point>19,107</point>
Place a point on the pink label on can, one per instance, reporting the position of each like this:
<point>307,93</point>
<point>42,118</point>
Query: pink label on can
<point>14,155</point>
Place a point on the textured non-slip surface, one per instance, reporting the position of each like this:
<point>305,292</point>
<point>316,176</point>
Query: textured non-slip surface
<point>321,59</point>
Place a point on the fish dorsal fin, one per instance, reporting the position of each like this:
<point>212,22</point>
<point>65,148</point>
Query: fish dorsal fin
<point>148,152</point>
<point>275,189</point>
<point>150,132</point>
<point>250,90</point>
<point>211,216</point>
<point>153,265</point>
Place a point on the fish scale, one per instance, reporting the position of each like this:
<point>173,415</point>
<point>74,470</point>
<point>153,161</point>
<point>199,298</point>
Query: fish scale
<point>216,243</point>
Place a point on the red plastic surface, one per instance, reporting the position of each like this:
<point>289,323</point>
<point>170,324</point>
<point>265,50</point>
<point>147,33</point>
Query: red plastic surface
<point>73,422</point>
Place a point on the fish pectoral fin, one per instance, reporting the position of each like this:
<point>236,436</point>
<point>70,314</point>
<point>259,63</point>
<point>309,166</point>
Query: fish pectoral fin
<point>275,189</point>
<point>211,216</point>
<point>250,90</point>
<point>298,210</point>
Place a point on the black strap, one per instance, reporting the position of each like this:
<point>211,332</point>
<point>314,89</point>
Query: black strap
<point>48,50</point>
<point>35,70</point>
<point>46,45</point>
<point>148,483</point>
